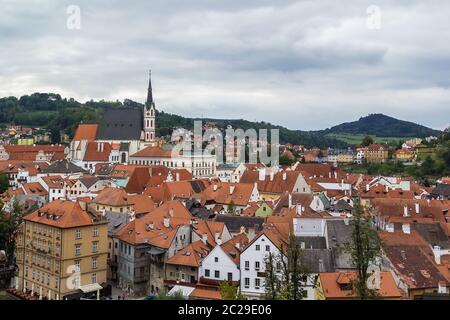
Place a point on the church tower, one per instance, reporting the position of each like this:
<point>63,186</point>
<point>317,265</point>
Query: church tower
<point>149,114</point>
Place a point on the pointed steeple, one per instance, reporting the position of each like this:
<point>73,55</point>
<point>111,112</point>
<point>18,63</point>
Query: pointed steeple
<point>149,102</point>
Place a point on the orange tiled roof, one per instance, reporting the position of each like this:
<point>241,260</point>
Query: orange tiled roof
<point>331,282</point>
<point>192,255</point>
<point>34,188</point>
<point>54,182</point>
<point>227,192</point>
<point>153,152</point>
<point>61,214</point>
<point>208,294</point>
<point>18,152</point>
<point>97,151</point>
<point>150,228</point>
<point>277,185</point>
<point>86,132</point>
<point>112,197</point>
<point>234,247</point>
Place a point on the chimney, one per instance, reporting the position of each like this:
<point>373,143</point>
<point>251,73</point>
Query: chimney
<point>417,208</point>
<point>405,211</point>
<point>171,212</point>
<point>215,187</point>
<point>329,174</point>
<point>151,225</point>
<point>271,175</point>
<point>204,238</point>
<point>335,174</point>
<point>406,228</point>
<point>367,187</point>
<point>238,246</point>
<point>166,222</point>
<point>289,200</point>
<point>232,189</point>
<point>177,176</point>
<point>284,176</point>
<point>216,236</point>
<point>387,189</point>
<point>219,241</point>
<point>299,209</point>
<point>98,146</point>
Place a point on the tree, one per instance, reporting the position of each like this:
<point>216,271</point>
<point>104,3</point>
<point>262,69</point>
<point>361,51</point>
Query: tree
<point>4,182</point>
<point>428,166</point>
<point>286,161</point>
<point>272,278</point>
<point>286,274</point>
<point>230,291</point>
<point>367,141</point>
<point>9,225</point>
<point>364,249</point>
<point>175,296</point>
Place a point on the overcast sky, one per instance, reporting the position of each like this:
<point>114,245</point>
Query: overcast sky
<point>302,64</point>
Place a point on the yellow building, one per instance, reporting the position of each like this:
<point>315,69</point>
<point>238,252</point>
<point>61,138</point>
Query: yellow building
<point>404,155</point>
<point>25,141</point>
<point>61,250</point>
<point>376,153</point>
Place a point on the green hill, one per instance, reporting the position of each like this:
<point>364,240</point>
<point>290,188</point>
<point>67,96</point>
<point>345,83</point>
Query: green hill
<point>53,112</point>
<point>380,125</point>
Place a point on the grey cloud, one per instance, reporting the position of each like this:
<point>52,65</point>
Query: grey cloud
<point>302,64</point>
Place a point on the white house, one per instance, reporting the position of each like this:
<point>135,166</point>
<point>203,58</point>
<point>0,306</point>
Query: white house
<point>222,263</point>
<point>253,262</point>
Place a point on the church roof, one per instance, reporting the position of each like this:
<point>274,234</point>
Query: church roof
<point>121,124</point>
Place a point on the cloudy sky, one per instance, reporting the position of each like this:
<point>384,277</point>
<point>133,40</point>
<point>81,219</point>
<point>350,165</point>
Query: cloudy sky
<point>302,64</point>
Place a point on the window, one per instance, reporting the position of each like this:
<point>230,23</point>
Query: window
<point>217,274</point>
<point>95,232</point>
<point>257,247</point>
<point>95,246</point>
<point>267,248</point>
<point>247,265</point>
<point>77,234</point>
<point>77,249</point>
<point>246,282</point>
<point>257,265</point>
<point>230,276</point>
<point>94,278</point>
<point>94,263</point>
<point>257,283</point>
<point>207,273</point>
<point>278,266</point>
<point>216,259</point>
<point>77,265</point>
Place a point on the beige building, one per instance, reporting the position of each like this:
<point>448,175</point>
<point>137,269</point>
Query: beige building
<point>62,250</point>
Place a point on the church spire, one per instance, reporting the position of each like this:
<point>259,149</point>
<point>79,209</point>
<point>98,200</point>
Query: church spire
<point>149,102</point>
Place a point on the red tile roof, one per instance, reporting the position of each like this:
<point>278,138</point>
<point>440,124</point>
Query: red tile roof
<point>150,228</point>
<point>97,151</point>
<point>86,132</point>
<point>331,284</point>
<point>191,256</point>
<point>153,152</point>
<point>61,214</point>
